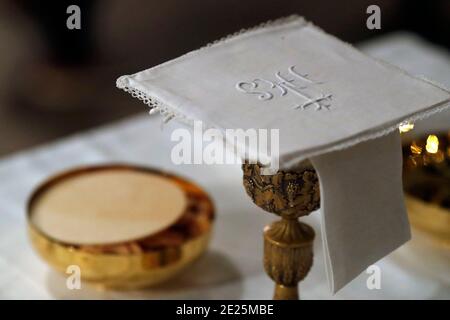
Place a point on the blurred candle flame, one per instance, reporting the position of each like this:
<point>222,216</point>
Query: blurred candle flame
<point>405,127</point>
<point>432,145</point>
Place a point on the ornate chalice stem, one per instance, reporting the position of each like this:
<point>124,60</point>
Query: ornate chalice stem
<point>288,251</point>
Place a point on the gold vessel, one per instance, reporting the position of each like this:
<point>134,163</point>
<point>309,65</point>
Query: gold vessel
<point>136,263</point>
<point>288,243</point>
<point>426,180</point>
<point>430,220</point>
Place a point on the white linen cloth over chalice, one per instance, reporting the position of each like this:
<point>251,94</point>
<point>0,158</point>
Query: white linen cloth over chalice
<point>331,104</point>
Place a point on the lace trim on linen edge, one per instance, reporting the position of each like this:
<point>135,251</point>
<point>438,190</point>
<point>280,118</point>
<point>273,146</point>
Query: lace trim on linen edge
<point>169,113</point>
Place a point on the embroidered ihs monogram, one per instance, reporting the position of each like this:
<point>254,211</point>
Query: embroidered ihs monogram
<point>294,83</point>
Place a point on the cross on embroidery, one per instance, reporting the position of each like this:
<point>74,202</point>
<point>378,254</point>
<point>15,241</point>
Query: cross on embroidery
<point>295,85</point>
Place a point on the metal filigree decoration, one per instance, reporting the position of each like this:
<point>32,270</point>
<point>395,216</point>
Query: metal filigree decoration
<point>291,194</point>
<point>288,250</point>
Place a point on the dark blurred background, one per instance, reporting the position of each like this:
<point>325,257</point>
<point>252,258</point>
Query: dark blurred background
<point>55,81</point>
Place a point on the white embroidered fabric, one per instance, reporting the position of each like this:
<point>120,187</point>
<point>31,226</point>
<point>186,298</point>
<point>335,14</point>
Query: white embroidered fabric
<point>330,103</point>
<point>251,80</point>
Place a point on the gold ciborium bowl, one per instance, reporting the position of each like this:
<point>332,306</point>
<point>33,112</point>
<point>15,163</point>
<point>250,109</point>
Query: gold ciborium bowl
<point>136,263</point>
